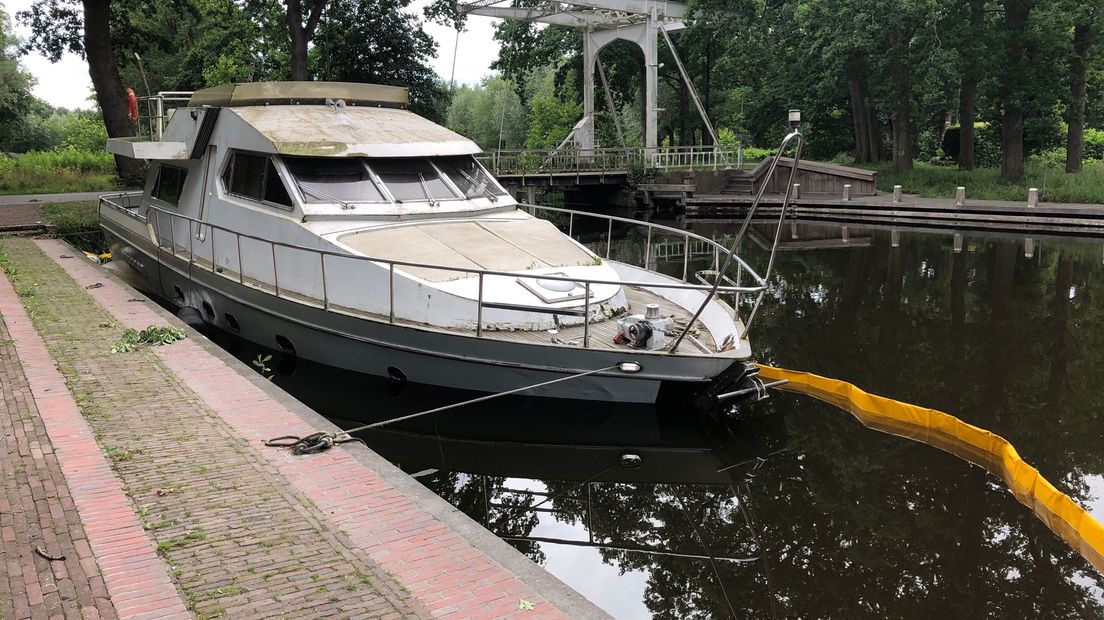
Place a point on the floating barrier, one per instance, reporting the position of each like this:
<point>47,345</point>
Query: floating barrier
<point>994,453</point>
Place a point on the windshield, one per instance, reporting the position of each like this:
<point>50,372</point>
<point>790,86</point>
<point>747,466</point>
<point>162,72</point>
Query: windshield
<point>466,174</point>
<point>413,179</point>
<point>333,179</point>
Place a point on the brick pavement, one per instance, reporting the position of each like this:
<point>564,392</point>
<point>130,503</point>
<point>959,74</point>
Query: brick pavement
<point>239,542</point>
<point>37,510</point>
<point>234,522</point>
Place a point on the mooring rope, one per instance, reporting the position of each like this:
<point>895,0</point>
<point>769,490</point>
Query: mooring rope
<point>1062,515</point>
<point>320,441</point>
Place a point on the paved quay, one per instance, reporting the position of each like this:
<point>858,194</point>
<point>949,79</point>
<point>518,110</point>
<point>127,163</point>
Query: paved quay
<point>146,470</point>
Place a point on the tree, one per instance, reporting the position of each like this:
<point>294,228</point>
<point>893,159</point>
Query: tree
<point>15,93</point>
<point>1016,13</point>
<point>973,69</point>
<point>377,41</point>
<point>1083,33</point>
<point>490,114</point>
<point>85,28</point>
<point>301,29</point>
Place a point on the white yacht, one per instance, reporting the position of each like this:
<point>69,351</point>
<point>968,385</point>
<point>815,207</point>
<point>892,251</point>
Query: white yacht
<point>328,221</point>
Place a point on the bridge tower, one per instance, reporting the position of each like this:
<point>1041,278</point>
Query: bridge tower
<point>603,22</point>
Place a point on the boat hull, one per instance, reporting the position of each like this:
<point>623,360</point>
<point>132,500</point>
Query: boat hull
<point>382,349</point>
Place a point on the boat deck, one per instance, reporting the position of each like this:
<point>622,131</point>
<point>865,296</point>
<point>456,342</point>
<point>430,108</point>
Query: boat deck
<point>601,333</point>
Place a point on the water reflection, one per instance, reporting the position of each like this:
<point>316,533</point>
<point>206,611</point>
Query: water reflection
<point>799,511</point>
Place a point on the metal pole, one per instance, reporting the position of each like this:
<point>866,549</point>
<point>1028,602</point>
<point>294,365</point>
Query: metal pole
<point>570,224</point>
<point>322,266</point>
<point>793,135</point>
<point>391,292</point>
<point>275,277</point>
<point>172,235</point>
<point>609,238</point>
<point>241,276</point>
<point>479,310</point>
<point>685,257</point>
<point>648,248</point>
<point>586,316</point>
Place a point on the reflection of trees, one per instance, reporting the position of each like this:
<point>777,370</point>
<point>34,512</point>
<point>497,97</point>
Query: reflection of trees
<point>852,523</point>
<point>473,496</point>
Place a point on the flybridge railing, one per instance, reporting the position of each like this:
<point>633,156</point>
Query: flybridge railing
<point>308,275</point>
<point>575,160</point>
<point>154,112</point>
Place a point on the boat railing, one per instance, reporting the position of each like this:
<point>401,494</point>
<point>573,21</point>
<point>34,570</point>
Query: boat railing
<point>154,112</point>
<point>303,274</point>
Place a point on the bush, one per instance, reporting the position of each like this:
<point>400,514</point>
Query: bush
<point>1055,185</point>
<point>1094,144</point>
<point>987,146</point>
<point>58,170</point>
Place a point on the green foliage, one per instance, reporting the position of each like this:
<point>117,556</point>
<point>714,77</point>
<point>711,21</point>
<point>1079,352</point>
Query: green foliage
<point>1094,144</point>
<point>72,217</point>
<point>987,146</point>
<point>553,112</point>
<point>151,336</point>
<point>377,41</point>
<point>59,170</point>
<point>1048,176</point>
<point>488,110</point>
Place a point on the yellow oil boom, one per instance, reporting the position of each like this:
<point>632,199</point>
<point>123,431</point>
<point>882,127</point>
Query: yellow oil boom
<point>988,450</point>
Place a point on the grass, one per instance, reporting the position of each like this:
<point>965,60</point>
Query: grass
<point>1054,184</point>
<point>58,170</point>
<point>72,217</point>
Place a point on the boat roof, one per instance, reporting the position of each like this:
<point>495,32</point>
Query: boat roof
<point>323,131</point>
<point>277,93</point>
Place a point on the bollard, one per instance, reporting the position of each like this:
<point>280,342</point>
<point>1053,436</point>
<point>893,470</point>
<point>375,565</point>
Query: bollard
<point>793,230</point>
<point>1033,197</point>
<point>894,238</point>
<point>846,192</point>
<point>960,196</point>
<point>957,243</point>
<point>796,191</point>
<point>845,235</point>
<point>896,193</point>
<point>1029,247</point>
<point>532,195</point>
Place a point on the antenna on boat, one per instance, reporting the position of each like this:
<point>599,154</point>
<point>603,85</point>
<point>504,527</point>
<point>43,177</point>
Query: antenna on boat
<point>142,70</point>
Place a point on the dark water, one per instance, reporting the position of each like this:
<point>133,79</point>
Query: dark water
<point>797,510</point>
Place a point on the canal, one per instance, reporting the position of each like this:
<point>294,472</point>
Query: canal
<point>793,509</point>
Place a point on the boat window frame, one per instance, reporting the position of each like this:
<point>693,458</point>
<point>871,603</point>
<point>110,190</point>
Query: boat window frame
<point>157,180</point>
<point>228,172</point>
<point>428,198</point>
<point>388,197</point>
<point>493,179</point>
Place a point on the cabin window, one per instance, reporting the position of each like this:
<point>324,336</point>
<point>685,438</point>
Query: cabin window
<point>169,184</point>
<point>412,180</point>
<point>333,179</point>
<point>255,176</point>
<point>274,190</point>
<point>471,178</point>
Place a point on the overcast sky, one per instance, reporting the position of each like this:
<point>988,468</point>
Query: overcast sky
<point>66,83</point>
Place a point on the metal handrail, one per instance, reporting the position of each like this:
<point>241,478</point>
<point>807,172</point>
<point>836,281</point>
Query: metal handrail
<point>757,287</point>
<point>155,107</point>
<point>795,134</point>
<point>548,161</point>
